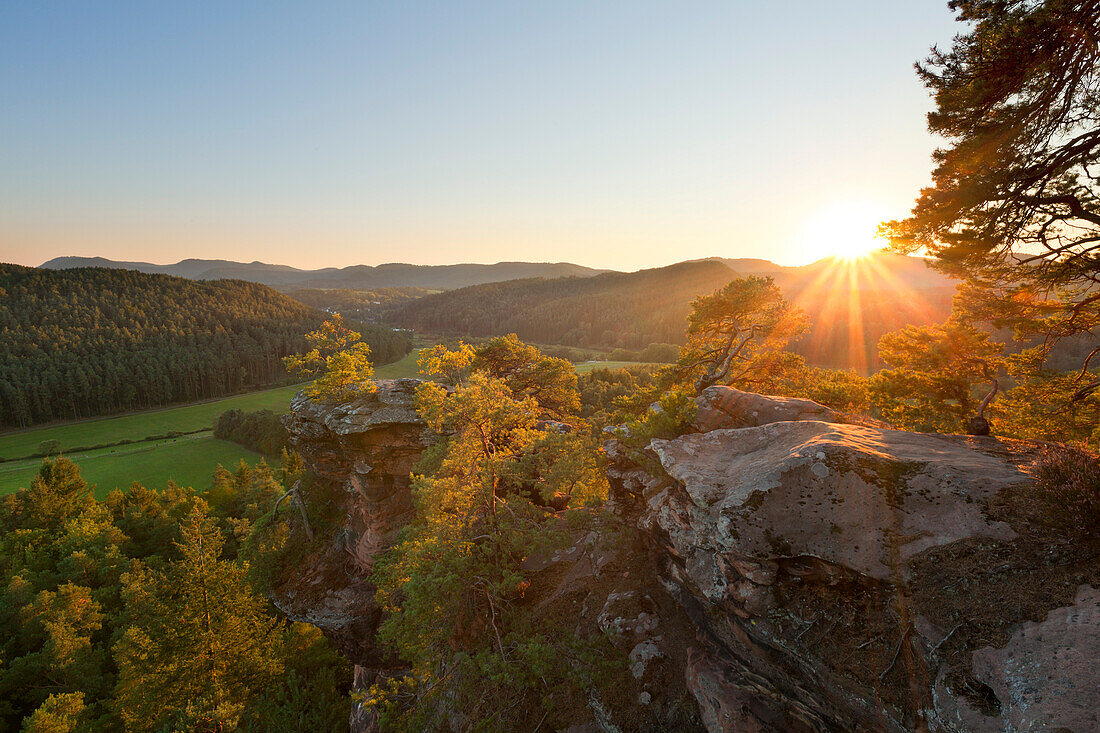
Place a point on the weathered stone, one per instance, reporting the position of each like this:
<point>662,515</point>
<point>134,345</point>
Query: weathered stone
<point>726,407</point>
<point>1046,677</point>
<point>361,453</point>
<point>854,496</point>
<point>778,502</point>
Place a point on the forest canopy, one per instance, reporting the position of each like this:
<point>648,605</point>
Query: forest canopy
<point>84,342</point>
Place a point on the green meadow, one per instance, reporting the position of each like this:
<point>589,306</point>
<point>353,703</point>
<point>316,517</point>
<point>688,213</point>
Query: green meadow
<point>404,368</point>
<point>189,460</point>
<point>141,425</point>
<point>586,366</point>
<point>186,459</point>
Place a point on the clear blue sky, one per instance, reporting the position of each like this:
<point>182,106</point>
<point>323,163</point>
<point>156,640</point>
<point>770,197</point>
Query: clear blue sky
<point>625,135</point>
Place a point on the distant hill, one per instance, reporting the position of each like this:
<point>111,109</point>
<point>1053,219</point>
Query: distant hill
<point>82,342</point>
<point>852,305</point>
<point>613,309</point>
<point>355,277</point>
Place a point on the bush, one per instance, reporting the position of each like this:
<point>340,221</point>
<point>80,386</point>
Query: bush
<point>260,431</point>
<point>623,355</point>
<point>1069,481</point>
<point>660,353</point>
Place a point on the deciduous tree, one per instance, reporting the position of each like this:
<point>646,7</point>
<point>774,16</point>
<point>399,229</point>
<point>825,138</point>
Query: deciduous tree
<point>339,361</point>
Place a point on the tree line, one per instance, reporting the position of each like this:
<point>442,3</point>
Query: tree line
<point>93,341</point>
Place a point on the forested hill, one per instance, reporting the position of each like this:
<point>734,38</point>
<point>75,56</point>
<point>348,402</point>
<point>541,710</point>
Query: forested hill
<point>851,305</point>
<point>91,341</point>
<point>355,277</point>
<point>630,310</point>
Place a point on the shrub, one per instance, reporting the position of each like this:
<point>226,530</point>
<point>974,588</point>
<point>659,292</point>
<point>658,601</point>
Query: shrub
<point>1069,481</point>
<point>261,431</point>
<point>660,353</point>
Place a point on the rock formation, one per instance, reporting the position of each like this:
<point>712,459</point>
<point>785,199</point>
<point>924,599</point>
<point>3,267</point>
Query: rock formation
<point>361,455</point>
<point>846,577</point>
<point>791,572</point>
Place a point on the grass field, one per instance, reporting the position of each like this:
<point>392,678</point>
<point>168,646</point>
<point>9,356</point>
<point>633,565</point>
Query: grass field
<point>404,368</point>
<point>189,461</point>
<point>586,366</point>
<point>140,425</point>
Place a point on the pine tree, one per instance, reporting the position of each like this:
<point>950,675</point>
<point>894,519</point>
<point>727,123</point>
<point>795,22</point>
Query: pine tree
<point>200,644</point>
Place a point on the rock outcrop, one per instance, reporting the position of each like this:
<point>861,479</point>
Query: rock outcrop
<point>361,454</point>
<point>791,571</point>
<point>817,560</point>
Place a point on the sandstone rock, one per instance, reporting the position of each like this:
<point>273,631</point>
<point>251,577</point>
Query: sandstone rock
<point>361,452</point>
<point>855,496</point>
<point>726,407</point>
<point>782,531</point>
<point>780,543</point>
<point>1045,678</point>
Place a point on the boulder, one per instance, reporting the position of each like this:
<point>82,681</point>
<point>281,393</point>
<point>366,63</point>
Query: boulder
<point>858,497</point>
<point>843,576</point>
<point>726,407</point>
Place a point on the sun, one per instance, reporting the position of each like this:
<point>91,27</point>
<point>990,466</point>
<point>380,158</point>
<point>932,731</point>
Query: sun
<point>846,231</point>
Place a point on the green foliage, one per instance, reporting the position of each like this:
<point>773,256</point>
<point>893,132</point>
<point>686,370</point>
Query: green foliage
<point>840,389</point>
<point>1042,404</point>
<point>90,341</point>
<point>660,354</point>
<point>57,493</point>
<point>337,360</point>
<point>49,447</point>
<point>933,374</point>
<point>670,416</point>
<point>452,583</point>
<point>123,612</point>
<point>734,333</point>
<point>261,431</point>
<point>613,396</point>
<point>199,644</point>
<point>1015,204</point>
<point>61,713</point>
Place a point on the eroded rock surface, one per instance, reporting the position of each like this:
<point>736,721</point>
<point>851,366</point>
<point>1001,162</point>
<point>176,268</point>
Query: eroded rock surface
<point>791,540</point>
<point>361,453</point>
<point>790,572</point>
<point>1045,677</point>
<point>726,407</point>
<point>862,498</point>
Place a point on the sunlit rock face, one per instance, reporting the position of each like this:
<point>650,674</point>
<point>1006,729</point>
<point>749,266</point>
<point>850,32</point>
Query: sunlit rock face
<point>827,568</point>
<point>726,407</point>
<point>791,571</point>
<point>367,448</point>
<point>361,453</point>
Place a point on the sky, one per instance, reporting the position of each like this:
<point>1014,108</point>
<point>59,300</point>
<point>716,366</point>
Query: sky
<point>611,134</point>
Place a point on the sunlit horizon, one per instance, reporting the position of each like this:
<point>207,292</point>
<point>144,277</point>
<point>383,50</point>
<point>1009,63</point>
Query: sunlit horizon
<point>329,134</point>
